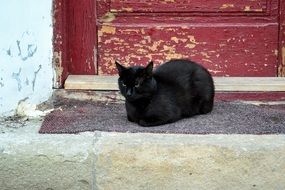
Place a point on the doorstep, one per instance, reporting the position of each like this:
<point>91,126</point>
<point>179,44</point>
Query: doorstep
<point>29,160</point>
<point>109,160</point>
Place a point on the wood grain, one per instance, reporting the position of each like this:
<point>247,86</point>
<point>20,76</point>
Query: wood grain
<point>82,37</point>
<point>230,84</point>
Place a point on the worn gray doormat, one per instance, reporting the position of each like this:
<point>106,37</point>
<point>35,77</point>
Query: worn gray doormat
<point>226,118</point>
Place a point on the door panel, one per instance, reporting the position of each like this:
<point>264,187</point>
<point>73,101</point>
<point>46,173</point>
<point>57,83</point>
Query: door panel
<point>243,42</point>
<point>147,6</point>
<point>223,50</point>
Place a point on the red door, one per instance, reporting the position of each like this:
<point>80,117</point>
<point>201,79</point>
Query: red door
<point>229,37</point>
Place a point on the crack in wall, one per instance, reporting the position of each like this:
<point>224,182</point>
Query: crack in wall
<point>9,52</point>
<point>32,49</point>
<point>27,82</point>
<point>29,51</point>
<point>16,76</point>
<point>1,83</point>
<point>35,76</point>
<point>19,48</point>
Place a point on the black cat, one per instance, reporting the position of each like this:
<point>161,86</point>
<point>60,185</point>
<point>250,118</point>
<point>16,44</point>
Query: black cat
<point>175,90</point>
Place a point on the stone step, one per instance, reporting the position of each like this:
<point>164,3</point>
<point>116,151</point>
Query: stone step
<point>106,160</point>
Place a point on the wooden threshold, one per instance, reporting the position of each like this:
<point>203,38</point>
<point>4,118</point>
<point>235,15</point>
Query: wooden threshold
<point>230,84</point>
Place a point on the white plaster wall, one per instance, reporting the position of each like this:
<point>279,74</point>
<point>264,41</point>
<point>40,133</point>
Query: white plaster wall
<point>25,54</point>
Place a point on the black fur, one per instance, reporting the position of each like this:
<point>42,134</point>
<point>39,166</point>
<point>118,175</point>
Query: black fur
<point>175,90</point>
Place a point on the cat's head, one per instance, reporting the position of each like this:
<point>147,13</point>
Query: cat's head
<point>136,82</point>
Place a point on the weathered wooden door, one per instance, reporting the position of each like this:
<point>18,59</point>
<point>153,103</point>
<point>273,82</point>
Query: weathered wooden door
<point>229,37</point>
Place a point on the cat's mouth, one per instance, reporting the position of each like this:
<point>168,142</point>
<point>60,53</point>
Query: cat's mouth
<point>138,97</point>
<point>131,98</point>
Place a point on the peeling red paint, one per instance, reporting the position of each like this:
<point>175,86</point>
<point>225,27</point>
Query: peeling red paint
<point>140,31</point>
<point>188,6</point>
<point>225,51</point>
<point>59,43</point>
<point>281,68</point>
<point>231,38</point>
<point>74,38</point>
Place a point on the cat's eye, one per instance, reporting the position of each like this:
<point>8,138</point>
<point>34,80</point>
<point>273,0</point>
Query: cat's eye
<point>123,84</point>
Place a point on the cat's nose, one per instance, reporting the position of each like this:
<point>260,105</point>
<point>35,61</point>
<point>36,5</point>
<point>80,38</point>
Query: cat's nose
<point>129,92</point>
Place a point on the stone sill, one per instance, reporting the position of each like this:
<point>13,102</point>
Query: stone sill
<point>103,160</point>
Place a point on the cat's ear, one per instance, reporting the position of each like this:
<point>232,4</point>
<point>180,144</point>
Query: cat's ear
<point>149,68</point>
<point>120,67</point>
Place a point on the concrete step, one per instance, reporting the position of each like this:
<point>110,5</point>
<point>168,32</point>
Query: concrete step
<point>104,160</point>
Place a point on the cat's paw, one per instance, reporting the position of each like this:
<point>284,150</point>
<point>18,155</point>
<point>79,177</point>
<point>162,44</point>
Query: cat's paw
<point>130,119</point>
<point>143,123</point>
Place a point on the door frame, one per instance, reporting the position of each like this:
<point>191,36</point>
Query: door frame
<point>70,33</point>
<point>74,39</point>
<point>281,50</point>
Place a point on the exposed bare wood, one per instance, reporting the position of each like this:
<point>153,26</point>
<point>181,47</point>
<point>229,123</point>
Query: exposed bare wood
<point>91,82</point>
<point>266,84</point>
